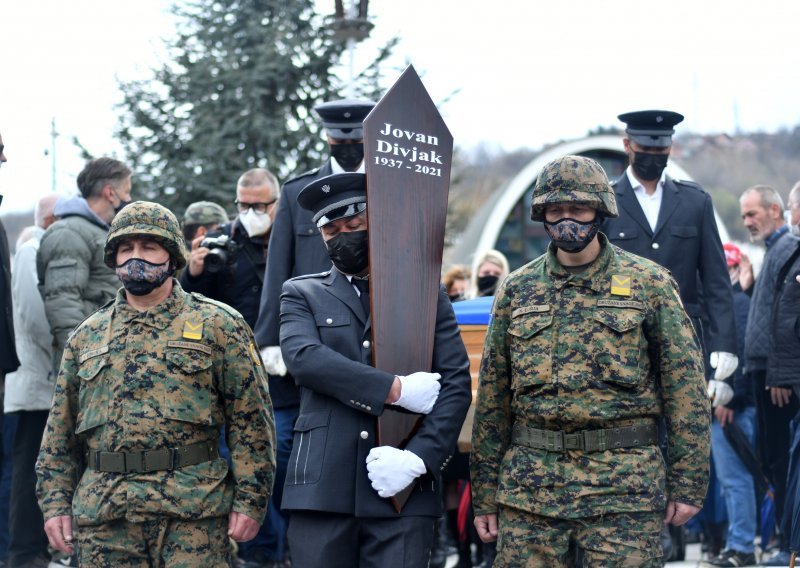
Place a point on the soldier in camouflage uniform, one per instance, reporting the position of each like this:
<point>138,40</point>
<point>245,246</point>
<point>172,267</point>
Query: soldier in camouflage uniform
<point>145,385</point>
<point>588,346</point>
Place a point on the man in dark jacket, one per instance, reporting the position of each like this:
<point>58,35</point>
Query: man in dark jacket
<point>295,245</point>
<point>672,223</point>
<point>8,358</point>
<point>230,267</point>
<point>296,248</point>
<point>783,360</point>
<point>340,480</point>
<point>8,354</point>
<point>762,214</point>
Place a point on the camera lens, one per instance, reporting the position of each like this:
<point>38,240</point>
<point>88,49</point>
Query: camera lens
<point>215,260</point>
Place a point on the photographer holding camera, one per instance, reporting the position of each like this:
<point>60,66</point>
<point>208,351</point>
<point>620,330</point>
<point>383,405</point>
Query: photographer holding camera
<point>228,264</point>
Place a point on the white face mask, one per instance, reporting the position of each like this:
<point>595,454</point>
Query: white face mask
<point>255,224</point>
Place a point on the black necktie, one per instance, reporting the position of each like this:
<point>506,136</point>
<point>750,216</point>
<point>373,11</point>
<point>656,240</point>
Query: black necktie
<point>363,287</point>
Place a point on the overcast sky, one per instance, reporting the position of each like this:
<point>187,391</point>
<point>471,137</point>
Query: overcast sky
<point>520,72</point>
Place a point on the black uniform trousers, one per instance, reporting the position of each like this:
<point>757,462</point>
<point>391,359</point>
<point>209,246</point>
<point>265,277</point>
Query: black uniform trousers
<point>345,541</point>
<point>27,538</point>
<point>774,440</point>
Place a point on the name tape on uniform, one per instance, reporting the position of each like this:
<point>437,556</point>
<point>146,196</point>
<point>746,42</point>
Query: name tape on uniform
<point>535,309</point>
<point>620,304</point>
<point>189,345</point>
<point>86,355</point>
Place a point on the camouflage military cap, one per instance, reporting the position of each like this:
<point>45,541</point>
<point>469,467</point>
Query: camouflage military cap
<point>146,219</point>
<point>573,179</point>
<point>205,213</point>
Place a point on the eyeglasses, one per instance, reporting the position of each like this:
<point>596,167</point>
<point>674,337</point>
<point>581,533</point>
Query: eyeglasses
<point>257,207</point>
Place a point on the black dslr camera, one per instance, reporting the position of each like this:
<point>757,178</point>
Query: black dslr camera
<point>223,252</point>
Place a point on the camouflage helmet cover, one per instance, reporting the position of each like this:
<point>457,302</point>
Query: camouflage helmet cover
<point>205,213</point>
<point>146,219</point>
<point>573,179</point>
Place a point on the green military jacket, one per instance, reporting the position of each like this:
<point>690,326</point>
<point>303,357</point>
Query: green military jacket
<point>165,378</point>
<point>604,348</point>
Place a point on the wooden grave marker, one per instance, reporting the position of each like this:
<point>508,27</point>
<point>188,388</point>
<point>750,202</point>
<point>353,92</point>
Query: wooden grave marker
<point>407,151</point>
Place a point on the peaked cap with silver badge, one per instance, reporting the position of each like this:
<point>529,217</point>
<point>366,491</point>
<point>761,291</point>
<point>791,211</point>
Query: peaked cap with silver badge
<point>334,197</point>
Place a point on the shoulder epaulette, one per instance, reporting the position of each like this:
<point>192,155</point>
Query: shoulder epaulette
<point>304,174</point>
<point>98,310</point>
<point>315,275</point>
<point>689,183</point>
<point>225,307</point>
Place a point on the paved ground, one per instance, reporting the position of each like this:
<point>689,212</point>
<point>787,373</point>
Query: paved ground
<point>692,558</point>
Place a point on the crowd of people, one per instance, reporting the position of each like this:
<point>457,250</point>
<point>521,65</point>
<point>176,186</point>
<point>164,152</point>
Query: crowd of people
<point>226,393</point>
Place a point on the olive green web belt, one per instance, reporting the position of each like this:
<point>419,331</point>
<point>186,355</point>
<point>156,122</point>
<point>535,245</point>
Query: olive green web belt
<point>643,434</point>
<point>152,460</point>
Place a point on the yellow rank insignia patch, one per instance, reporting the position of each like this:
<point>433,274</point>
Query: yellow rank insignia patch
<point>620,285</point>
<point>192,330</point>
<point>254,355</point>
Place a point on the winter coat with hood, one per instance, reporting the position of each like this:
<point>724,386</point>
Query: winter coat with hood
<point>31,386</point>
<point>73,278</point>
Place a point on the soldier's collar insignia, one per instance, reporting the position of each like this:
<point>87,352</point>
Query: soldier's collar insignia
<point>620,285</point>
<point>193,330</point>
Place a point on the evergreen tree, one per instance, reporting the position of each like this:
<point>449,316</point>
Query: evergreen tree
<point>238,94</point>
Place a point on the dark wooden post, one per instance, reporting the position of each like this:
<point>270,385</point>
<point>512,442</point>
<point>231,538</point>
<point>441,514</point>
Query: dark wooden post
<point>407,151</point>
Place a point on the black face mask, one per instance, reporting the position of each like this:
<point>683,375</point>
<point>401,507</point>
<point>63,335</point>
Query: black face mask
<point>122,205</point>
<point>349,251</point>
<point>487,285</point>
<point>140,277</point>
<point>349,156</point>
<point>649,166</point>
<point>573,236</point>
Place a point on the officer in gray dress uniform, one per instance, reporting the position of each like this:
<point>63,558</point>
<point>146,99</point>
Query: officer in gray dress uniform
<point>340,480</point>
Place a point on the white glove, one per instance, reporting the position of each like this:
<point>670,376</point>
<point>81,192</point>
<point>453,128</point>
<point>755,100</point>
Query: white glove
<point>724,363</point>
<point>273,360</point>
<point>391,470</point>
<point>719,392</point>
<point>419,391</point>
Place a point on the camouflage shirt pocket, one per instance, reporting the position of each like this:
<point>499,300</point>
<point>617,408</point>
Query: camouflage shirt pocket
<point>531,347</point>
<point>617,346</point>
<point>93,394</point>
<point>189,393</point>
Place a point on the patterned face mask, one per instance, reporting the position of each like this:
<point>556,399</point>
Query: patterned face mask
<point>571,235</point>
<point>140,277</point>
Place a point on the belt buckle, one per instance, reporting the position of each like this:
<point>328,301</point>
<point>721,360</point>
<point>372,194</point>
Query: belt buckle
<point>574,441</point>
<point>134,462</point>
<point>113,462</point>
<point>143,455</point>
<point>554,440</point>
